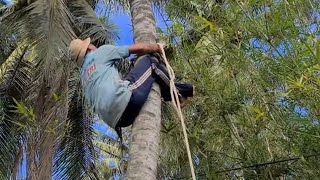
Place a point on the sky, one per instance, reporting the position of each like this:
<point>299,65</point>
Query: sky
<point>125,30</point>
<point>7,2</point>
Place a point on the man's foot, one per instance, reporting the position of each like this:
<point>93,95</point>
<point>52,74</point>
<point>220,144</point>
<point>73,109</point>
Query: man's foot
<point>183,101</point>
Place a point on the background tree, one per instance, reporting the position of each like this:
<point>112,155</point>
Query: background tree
<point>254,64</point>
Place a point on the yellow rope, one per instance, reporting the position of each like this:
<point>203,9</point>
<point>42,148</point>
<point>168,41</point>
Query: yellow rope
<point>177,107</point>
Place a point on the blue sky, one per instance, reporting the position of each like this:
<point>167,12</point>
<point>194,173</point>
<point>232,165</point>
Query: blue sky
<point>125,31</point>
<point>7,2</point>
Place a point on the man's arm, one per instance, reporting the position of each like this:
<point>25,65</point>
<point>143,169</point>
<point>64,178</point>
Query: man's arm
<point>144,48</point>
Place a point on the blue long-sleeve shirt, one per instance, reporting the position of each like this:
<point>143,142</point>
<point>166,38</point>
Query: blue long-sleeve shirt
<point>103,87</point>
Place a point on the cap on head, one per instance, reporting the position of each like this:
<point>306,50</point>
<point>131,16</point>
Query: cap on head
<point>78,49</point>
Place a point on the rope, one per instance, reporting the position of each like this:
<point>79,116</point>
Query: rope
<point>177,107</point>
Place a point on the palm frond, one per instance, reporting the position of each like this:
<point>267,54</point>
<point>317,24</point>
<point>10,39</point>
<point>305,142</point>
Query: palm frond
<point>92,3</point>
<point>14,78</point>
<point>75,156</point>
<point>89,24</point>
<point>123,66</point>
<point>122,6</point>
<point>116,6</point>
<point>47,26</point>
<point>7,43</point>
<point>8,139</point>
<point>2,7</point>
<point>11,128</point>
<point>49,31</point>
<point>15,74</point>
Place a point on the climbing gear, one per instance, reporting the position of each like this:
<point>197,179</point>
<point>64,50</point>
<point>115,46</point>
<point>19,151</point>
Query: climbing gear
<point>177,107</point>
<point>78,49</point>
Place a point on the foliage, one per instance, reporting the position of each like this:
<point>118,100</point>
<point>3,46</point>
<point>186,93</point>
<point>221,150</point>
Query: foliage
<point>255,65</point>
<point>42,115</point>
<point>111,161</point>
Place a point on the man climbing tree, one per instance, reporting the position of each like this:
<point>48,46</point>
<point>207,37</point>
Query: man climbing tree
<point>118,101</point>
<point>145,135</point>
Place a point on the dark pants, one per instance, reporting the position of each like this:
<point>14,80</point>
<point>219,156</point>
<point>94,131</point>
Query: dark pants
<point>144,73</point>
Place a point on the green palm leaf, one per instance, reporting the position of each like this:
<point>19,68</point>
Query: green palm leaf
<point>75,156</point>
<point>13,79</point>
<point>89,25</point>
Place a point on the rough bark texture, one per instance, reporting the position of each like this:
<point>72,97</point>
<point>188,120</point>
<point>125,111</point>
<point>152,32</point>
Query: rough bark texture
<point>31,161</point>
<point>47,157</point>
<point>145,137</point>
<point>144,25</point>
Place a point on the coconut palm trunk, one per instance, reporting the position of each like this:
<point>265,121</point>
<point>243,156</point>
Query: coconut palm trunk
<point>145,137</point>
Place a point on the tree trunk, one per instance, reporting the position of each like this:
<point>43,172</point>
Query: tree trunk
<point>31,160</point>
<point>145,137</point>
<point>45,171</point>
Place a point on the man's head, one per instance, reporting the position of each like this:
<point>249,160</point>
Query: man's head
<point>78,49</point>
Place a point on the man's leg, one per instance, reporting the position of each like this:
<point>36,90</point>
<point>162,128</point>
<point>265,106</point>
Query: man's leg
<point>141,80</point>
<point>185,90</point>
<point>144,73</point>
